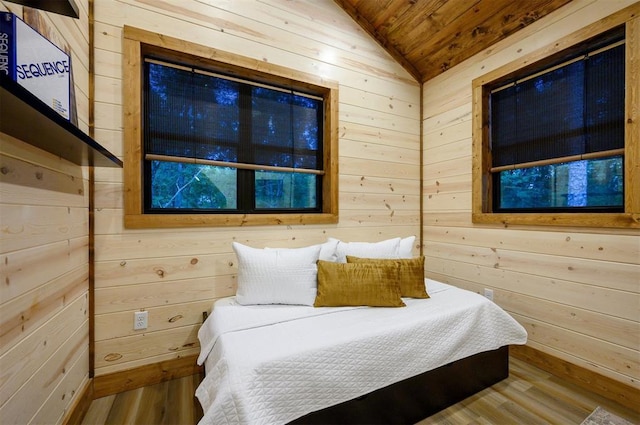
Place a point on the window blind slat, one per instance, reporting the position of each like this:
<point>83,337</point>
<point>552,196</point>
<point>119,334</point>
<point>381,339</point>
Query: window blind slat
<point>560,160</point>
<point>205,116</point>
<point>583,104</point>
<point>238,165</point>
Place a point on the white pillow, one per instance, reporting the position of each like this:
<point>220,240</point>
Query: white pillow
<point>385,249</point>
<point>406,247</point>
<point>327,250</point>
<point>277,276</point>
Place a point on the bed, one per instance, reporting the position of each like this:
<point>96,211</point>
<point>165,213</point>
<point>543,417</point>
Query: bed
<point>277,364</point>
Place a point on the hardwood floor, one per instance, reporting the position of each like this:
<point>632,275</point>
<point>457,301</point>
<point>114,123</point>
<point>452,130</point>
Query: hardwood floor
<point>528,396</point>
<point>171,402</point>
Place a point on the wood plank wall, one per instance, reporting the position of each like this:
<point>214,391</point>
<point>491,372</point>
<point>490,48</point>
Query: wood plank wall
<point>176,274</point>
<point>576,290</point>
<point>44,269</point>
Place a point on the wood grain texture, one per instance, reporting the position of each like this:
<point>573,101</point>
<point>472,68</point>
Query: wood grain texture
<point>81,405</point>
<point>632,113</point>
<point>551,278</point>
<point>32,181</point>
<point>44,336</point>
<point>430,37</point>
<point>625,395</point>
<point>565,22</point>
<point>173,271</point>
<point>177,341</point>
<point>529,395</point>
<point>118,382</point>
<point>26,313</point>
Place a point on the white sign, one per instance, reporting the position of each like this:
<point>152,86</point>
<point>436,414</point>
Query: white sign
<point>35,63</point>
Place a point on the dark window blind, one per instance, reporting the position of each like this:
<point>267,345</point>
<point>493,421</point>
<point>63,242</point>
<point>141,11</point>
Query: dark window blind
<point>572,109</point>
<point>197,115</point>
<point>285,129</point>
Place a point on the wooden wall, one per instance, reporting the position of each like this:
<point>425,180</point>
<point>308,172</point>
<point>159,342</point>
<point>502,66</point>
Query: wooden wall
<point>176,274</point>
<point>576,290</point>
<point>44,258</point>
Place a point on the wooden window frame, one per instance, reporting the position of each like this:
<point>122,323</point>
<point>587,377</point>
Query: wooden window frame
<point>139,43</point>
<point>482,195</point>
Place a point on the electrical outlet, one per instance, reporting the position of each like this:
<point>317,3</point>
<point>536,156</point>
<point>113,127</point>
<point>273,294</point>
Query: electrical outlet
<point>140,320</point>
<point>488,293</point>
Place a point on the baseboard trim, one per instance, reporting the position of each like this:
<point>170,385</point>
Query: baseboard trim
<point>130,379</point>
<point>143,376</point>
<point>619,392</point>
<point>80,407</point>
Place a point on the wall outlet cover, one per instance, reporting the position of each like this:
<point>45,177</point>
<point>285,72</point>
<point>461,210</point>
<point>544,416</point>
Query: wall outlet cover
<point>140,320</point>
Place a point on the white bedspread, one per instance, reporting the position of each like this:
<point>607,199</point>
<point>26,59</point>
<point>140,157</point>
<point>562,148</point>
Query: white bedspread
<point>273,364</point>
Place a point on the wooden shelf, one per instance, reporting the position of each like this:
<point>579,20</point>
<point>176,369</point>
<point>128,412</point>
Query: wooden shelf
<point>25,117</point>
<point>63,7</point>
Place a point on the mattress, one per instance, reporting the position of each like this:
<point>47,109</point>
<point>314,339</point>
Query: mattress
<point>270,364</point>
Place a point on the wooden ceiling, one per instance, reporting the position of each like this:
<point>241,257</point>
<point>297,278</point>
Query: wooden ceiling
<point>430,36</point>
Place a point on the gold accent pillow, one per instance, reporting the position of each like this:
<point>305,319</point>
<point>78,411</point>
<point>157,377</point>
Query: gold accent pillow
<point>343,284</point>
<point>410,273</point>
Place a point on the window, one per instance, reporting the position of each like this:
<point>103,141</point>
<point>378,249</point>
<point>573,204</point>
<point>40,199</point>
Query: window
<point>256,148</point>
<point>557,135</point>
<point>551,141</point>
<point>217,143</point>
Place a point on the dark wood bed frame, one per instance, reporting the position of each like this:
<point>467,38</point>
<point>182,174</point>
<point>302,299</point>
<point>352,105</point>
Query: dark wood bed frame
<point>411,400</point>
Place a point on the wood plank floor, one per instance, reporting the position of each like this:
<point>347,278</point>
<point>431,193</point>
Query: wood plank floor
<point>528,396</point>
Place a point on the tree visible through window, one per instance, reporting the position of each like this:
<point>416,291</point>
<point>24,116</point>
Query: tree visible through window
<point>589,183</point>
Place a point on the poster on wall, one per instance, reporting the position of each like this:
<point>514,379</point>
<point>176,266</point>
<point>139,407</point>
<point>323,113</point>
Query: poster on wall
<point>37,64</point>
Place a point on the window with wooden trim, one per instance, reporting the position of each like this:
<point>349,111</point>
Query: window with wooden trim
<point>552,142</point>
<point>215,143</point>
<point>221,144</point>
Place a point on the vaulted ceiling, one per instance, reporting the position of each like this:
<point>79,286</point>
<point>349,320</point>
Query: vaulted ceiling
<point>430,36</point>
